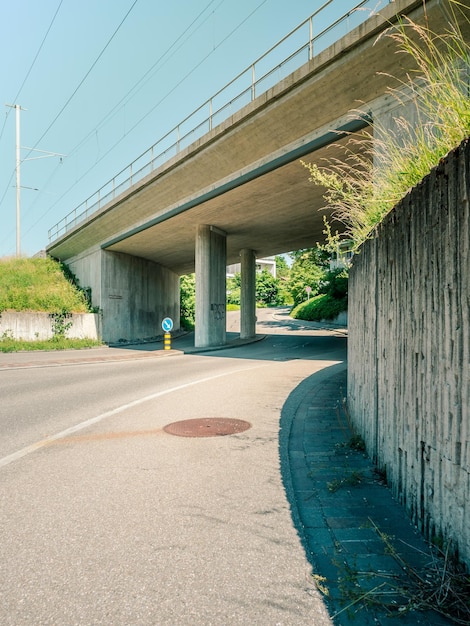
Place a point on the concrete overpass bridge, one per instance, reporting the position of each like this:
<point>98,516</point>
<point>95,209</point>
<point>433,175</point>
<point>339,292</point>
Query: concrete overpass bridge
<point>229,190</point>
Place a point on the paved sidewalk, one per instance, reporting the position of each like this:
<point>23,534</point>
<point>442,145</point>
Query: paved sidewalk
<point>341,507</point>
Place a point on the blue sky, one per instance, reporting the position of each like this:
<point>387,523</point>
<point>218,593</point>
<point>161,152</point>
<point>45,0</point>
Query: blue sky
<point>102,80</point>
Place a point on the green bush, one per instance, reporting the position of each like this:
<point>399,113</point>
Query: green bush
<point>269,291</point>
<point>318,308</point>
<point>335,283</point>
<point>234,296</point>
<point>234,289</point>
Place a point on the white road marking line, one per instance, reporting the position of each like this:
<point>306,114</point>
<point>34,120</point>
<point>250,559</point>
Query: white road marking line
<point>15,456</point>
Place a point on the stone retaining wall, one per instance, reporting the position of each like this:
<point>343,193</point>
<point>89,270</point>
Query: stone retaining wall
<point>409,350</point>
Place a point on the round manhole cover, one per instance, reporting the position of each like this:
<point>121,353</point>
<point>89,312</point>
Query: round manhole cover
<point>207,427</point>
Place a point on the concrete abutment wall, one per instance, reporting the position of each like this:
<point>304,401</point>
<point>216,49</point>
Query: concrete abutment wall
<point>409,350</point>
<point>133,294</point>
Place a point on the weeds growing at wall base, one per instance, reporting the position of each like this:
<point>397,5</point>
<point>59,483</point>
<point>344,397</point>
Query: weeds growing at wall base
<point>9,344</point>
<point>442,586</point>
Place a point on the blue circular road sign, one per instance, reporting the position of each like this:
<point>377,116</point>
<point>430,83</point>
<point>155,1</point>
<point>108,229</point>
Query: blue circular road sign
<point>167,324</point>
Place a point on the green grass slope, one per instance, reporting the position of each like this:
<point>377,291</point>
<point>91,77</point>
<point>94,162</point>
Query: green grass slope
<point>38,285</point>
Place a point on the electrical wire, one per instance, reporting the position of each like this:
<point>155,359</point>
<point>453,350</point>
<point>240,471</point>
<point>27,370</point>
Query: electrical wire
<point>76,89</point>
<point>85,77</point>
<point>15,99</point>
<point>130,94</point>
<point>126,98</point>
<point>140,83</point>
<point>151,110</point>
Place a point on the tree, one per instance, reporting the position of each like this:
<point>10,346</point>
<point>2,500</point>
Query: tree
<point>234,289</point>
<point>267,289</point>
<point>188,301</point>
<point>283,274</point>
<point>306,271</point>
<point>282,268</point>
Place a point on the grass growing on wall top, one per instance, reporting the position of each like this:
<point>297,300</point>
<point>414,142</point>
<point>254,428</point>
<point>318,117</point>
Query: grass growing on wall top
<point>379,168</point>
<point>37,285</point>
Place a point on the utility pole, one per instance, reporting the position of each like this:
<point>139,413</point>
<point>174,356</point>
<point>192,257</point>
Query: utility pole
<point>19,108</point>
<point>18,184</point>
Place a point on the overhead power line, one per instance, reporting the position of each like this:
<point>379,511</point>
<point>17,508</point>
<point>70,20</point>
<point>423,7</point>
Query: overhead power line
<point>117,107</point>
<point>86,75</point>
<point>15,99</point>
<point>141,82</point>
<point>194,68</point>
<point>74,92</point>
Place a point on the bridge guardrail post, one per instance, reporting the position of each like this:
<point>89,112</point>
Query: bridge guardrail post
<point>310,44</point>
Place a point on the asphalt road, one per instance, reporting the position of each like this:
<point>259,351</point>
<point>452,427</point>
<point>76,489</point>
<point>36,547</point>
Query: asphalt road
<point>107,519</point>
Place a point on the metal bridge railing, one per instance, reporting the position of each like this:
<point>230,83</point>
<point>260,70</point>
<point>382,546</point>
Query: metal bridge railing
<point>299,46</point>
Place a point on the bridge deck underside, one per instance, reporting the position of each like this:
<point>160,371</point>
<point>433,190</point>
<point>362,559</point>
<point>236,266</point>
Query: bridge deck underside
<point>245,176</point>
<point>272,214</point>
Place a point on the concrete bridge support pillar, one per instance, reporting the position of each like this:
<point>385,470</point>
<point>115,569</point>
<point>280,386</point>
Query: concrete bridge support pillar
<point>211,262</point>
<point>248,294</point>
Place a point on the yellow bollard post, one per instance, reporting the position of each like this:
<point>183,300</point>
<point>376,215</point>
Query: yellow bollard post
<point>167,341</point>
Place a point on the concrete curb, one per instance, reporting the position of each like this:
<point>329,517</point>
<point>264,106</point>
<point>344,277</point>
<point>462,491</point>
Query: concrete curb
<point>323,325</point>
<point>118,352</point>
<point>233,343</point>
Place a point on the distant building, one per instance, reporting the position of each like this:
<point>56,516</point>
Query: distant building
<point>343,256</point>
<point>269,264</point>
